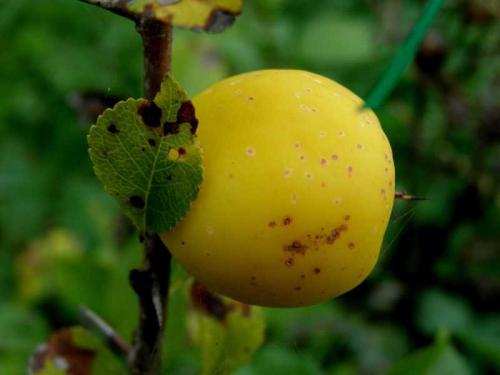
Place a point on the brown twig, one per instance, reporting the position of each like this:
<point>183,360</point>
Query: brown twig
<point>151,282</point>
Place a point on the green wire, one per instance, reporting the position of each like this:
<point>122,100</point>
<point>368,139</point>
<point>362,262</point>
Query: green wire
<point>404,56</point>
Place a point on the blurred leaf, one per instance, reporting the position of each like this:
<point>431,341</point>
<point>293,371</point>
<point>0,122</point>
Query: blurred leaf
<point>210,15</point>
<point>484,338</point>
<point>434,360</point>
<point>74,351</point>
<point>441,311</point>
<point>278,360</point>
<point>404,56</point>
<point>227,332</point>
<point>20,329</point>
<point>337,39</point>
<point>35,266</point>
<point>147,157</point>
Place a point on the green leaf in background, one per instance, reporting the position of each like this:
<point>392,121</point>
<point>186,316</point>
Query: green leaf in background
<point>209,15</point>
<point>438,359</point>
<point>227,332</point>
<point>438,310</point>
<point>403,57</point>
<point>146,155</point>
<point>74,351</point>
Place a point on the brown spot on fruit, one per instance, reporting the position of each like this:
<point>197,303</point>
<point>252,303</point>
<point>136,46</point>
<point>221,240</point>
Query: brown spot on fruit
<point>287,220</point>
<point>351,245</point>
<point>298,288</point>
<point>296,247</point>
<point>335,234</point>
<point>150,113</point>
<point>289,262</point>
<point>335,157</point>
<point>272,224</point>
<point>349,170</point>
<point>303,276</point>
<point>317,270</point>
<point>136,201</point>
<point>113,129</point>
<point>347,217</point>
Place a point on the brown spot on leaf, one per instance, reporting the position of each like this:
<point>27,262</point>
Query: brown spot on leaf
<point>150,113</point>
<point>208,303</point>
<point>113,129</point>
<point>136,201</point>
<point>186,114</point>
<point>182,151</point>
<point>219,20</point>
<point>61,346</point>
<point>171,128</point>
<point>152,142</point>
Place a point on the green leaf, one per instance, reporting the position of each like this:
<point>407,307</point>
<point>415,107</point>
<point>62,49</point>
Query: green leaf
<point>147,157</point>
<point>227,332</point>
<point>209,15</point>
<point>403,57</point>
<point>74,350</point>
<point>434,360</point>
<point>440,311</point>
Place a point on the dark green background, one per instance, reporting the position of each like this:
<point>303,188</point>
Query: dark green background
<point>437,285</point>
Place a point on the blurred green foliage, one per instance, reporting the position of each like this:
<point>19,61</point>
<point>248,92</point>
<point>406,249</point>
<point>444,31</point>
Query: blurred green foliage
<point>432,306</point>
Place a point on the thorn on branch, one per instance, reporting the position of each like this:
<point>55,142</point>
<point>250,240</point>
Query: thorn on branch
<point>113,339</point>
<point>408,197</point>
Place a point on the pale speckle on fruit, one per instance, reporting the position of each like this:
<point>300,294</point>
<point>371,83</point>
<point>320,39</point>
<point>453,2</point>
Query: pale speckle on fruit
<point>322,134</point>
<point>337,201</point>
<point>287,172</point>
<point>210,230</point>
<point>298,95</point>
<point>293,199</point>
<point>238,92</point>
<point>235,82</point>
<point>250,151</point>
